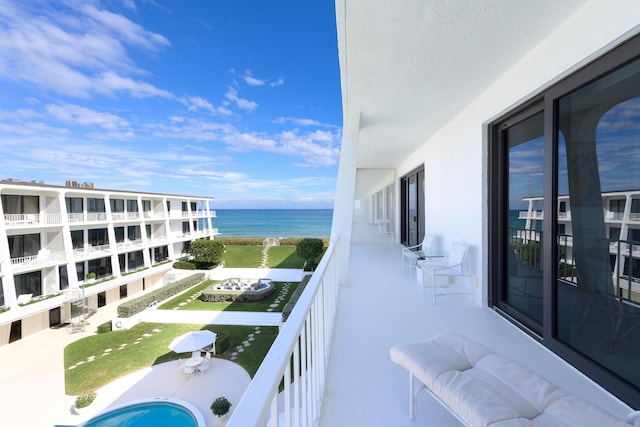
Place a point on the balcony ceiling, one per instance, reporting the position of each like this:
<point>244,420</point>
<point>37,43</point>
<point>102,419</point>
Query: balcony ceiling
<point>408,67</point>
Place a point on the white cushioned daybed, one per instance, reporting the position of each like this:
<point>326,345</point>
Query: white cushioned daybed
<point>482,388</point>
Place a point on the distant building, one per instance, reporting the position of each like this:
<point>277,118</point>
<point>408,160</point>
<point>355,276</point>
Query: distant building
<point>53,237</point>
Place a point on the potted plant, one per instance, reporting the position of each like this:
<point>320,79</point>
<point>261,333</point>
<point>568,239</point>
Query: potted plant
<point>220,408</point>
<point>91,277</point>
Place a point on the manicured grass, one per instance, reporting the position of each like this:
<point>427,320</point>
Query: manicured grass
<point>196,304</point>
<point>284,257</point>
<point>243,256</point>
<point>106,366</point>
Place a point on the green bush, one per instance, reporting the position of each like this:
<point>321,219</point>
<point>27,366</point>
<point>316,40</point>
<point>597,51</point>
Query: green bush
<point>85,400</point>
<point>91,275</point>
<point>220,406</point>
<point>206,252</point>
<point>104,328</point>
<point>184,265</point>
<point>310,250</point>
<point>288,307</point>
<point>137,305</point>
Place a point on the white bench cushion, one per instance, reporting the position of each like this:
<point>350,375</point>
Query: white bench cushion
<point>487,389</point>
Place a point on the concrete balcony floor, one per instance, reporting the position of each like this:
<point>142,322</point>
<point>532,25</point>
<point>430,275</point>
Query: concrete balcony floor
<point>382,305</point>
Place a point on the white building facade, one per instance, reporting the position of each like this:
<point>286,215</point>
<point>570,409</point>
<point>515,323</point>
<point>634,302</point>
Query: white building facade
<point>66,251</point>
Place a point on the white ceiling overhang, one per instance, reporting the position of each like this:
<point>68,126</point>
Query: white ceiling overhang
<point>409,66</point>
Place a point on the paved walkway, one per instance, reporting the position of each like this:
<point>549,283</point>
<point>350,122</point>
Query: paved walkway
<point>32,369</point>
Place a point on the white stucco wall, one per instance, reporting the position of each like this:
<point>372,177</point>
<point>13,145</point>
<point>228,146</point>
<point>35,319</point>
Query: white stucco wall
<point>455,158</point>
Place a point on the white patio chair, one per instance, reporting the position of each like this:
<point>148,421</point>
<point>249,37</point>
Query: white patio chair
<point>204,366</point>
<point>452,265</point>
<point>417,252</point>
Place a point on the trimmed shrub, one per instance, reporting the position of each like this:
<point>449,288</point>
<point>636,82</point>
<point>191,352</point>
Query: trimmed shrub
<point>184,265</point>
<point>85,400</point>
<point>206,252</point>
<point>288,307</point>
<point>104,328</point>
<point>222,342</point>
<point>310,250</point>
<point>137,305</point>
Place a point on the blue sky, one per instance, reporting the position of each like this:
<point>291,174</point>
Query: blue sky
<point>235,100</point>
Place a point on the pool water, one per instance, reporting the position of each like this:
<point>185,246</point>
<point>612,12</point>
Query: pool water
<point>146,414</point>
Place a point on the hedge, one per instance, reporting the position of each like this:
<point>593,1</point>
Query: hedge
<point>220,295</point>
<point>184,265</point>
<point>288,308</point>
<point>137,305</point>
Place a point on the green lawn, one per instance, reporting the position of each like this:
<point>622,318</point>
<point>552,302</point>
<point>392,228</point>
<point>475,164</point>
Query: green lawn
<point>243,256</point>
<point>196,304</point>
<point>284,257</point>
<point>95,367</point>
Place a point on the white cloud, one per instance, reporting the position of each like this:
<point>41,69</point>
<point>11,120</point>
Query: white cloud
<point>244,104</point>
<point>251,80</point>
<point>195,103</point>
<point>68,51</point>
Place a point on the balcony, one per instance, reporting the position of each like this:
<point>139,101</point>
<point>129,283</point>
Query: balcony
<point>379,305</point>
<point>25,220</point>
<point>90,251</point>
<point>44,258</point>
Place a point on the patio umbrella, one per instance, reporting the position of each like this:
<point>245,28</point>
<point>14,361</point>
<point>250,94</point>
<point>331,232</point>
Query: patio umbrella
<point>192,341</point>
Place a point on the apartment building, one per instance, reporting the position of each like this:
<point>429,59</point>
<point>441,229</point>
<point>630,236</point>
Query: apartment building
<point>66,251</point>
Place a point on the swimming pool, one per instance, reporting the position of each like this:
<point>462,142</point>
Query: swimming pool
<point>158,412</point>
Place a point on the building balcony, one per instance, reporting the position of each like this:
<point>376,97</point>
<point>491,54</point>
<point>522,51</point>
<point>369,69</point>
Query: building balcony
<point>346,369</point>
<point>26,220</point>
<point>90,251</point>
<point>130,245</point>
<point>44,258</point>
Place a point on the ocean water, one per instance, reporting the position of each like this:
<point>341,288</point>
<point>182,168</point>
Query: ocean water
<point>273,222</point>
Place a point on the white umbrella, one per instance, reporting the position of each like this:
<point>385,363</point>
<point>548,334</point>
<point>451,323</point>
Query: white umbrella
<point>192,341</point>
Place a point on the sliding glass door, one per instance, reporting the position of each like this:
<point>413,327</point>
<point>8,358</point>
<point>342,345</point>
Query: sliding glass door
<point>412,207</point>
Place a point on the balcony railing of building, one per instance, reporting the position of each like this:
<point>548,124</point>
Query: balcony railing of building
<point>17,220</point>
<point>96,216</point>
<point>297,358</point>
<point>129,245</point>
<point>44,258</point>
<point>89,251</point>
<point>530,215</point>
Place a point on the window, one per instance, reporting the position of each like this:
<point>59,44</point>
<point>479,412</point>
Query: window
<point>412,225</point>
<point>20,204</point>
<point>24,245</point>
<point>80,271</point>
<point>123,291</point>
<point>1,293</point>
<point>77,239</point>
<point>64,277</point>
<point>74,204</point>
<point>571,279</point>
<point>132,206</point>
<point>194,207</point>
<point>136,260</point>
<point>147,229</point>
<point>98,236</point>
<point>101,266</point>
<point>185,207</point>
<point>133,232</point>
<point>146,205</point>
<point>119,232</point>
<point>29,283</point>
<point>117,205</point>
<point>185,227</point>
<point>95,205</point>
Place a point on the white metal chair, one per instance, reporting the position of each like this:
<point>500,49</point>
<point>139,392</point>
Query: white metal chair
<point>417,252</point>
<point>452,265</point>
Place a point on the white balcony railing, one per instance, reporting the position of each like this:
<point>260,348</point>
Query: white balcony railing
<point>133,215</point>
<point>298,356</point>
<point>89,251</point>
<point>44,258</point>
<point>96,216</point>
<point>18,220</point>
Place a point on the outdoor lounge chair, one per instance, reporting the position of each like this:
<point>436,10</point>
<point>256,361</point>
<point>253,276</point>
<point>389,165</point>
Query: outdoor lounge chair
<point>418,252</point>
<point>452,265</point>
